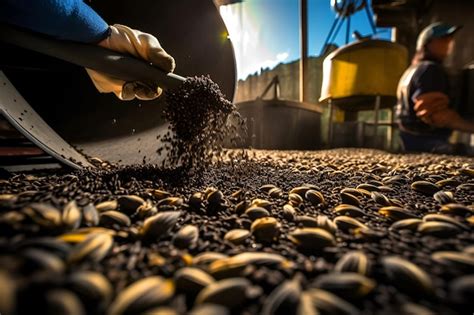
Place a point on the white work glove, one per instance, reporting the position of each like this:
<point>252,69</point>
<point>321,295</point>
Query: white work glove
<point>138,44</point>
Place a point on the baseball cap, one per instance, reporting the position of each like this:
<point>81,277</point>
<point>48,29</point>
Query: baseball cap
<point>435,30</point>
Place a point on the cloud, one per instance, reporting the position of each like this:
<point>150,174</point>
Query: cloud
<point>271,63</point>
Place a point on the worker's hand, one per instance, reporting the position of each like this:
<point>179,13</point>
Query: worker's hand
<point>429,103</point>
<point>445,118</point>
<point>138,44</point>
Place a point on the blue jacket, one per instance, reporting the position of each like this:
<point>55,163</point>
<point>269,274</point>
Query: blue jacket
<point>62,19</point>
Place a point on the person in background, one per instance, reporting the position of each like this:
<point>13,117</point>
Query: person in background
<point>74,20</point>
<point>424,113</point>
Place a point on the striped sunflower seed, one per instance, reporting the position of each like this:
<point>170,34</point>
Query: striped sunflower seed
<point>142,295</point>
<point>186,237</point>
<point>112,218</point>
<point>406,224</point>
<point>94,247</point>
<point>266,229</point>
<point>283,299</point>
<point>424,187</point>
<point>444,197</point>
<point>350,199</point>
<point>346,224</point>
<point>396,213</point>
<point>229,292</point>
<point>458,260</point>
<point>439,229</point>
<point>44,215</point>
<point>129,204</point>
<point>90,215</point>
<point>159,225</point>
<point>255,213</point>
<point>314,197</point>
<point>348,285</point>
<point>92,287</point>
<point>237,236</point>
<point>192,280</point>
<point>353,261</point>
<point>329,303</point>
<point>71,216</point>
<point>348,210</point>
<point>311,238</point>
<point>407,276</point>
<point>456,209</point>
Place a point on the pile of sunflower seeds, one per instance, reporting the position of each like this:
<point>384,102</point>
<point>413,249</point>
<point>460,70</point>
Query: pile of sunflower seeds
<point>326,232</point>
<point>201,119</point>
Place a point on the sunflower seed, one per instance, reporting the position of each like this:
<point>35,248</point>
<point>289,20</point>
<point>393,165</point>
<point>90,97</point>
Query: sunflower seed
<point>92,287</point>
<point>90,215</point>
<point>95,247</point>
<point>406,224</point>
<point>444,218</point>
<point>347,224</point>
<point>283,299</point>
<point>256,212</point>
<point>142,295</point>
<point>311,238</point>
<point>45,215</point>
<point>107,205</point>
<point>461,289</point>
<point>306,221</point>
<point>275,192</point>
<point>196,200</point>
<point>380,199</point>
<point>261,203</point>
<point>396,213</point>
<point>209,309</point>
<point>207,258</point>
<point>456,209</point>
<point>444,197</point>
<point>440,229</point>
<point>425,187</point>
<point>329,303</point>
<point>266,229</point>
<point>159,225</point>
<point>71,216</point>
<point>453,259</point>
<point>237,236</point>
<point>289,212</point>
<point>349,210</point>
<point>43,260</point>
<point>60,301</point>
<point>186,237</point>
<point>112,218</point>
<point>192,280</point>
<point>368,187</point>
<point>295,199</point>
<point>407,276</point>
<point>229,292</point>
<point>314,197</point>
<point>129,204</point>
<point>301,191</point>
<point>159,194</point>
<point>353,261</point>
<point>349,285</point>
<point>350,199</point>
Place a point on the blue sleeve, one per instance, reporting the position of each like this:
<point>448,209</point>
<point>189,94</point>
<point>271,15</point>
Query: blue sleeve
<point>430,78</point>
<point>62,19</point>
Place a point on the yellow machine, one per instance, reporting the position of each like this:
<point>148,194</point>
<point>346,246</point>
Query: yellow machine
<point>366,68</point>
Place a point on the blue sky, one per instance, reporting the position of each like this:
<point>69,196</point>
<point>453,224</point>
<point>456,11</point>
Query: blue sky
<point>266,32</point>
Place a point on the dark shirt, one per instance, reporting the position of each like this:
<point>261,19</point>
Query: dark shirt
<point>427,76</point>
<point>63,19</point>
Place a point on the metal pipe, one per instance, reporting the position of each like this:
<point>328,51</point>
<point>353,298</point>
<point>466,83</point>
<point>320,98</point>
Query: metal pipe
<point>304,49</point>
